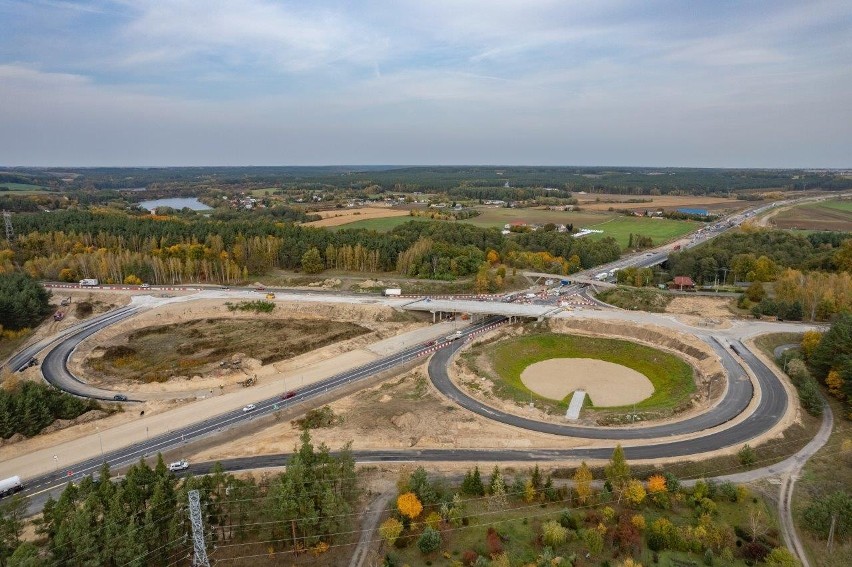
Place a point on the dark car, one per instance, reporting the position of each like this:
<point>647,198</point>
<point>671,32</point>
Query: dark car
<point>431,343</point>
<point>120,398</point>
<point>288,395</point>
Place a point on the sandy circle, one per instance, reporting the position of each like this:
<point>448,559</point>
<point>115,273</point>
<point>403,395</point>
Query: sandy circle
<point>607,384</point>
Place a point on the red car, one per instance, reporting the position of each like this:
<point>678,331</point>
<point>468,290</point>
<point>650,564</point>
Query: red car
<point>288,395</point>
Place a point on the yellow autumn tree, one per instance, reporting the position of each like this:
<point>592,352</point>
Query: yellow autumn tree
<point>409,505</point>
<point>810,340</point>
<point>656,483</point>
<point>583,483</point>
<point>492,257</point>
<point>390,530</point>
<point>634,492</point>
<point>834,381</point>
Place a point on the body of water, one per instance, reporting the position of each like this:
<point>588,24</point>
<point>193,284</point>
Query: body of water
<point>175,203</point>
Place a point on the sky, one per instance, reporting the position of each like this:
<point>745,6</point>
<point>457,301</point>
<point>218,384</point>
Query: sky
<point>687,83</point>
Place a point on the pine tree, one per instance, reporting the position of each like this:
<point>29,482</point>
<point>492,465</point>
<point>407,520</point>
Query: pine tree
<point>618,471</point>
<point>536,478</point>
<point>497,500</point>
<point>476,483</point>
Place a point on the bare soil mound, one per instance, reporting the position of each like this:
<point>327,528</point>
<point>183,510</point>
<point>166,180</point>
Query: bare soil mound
<point>607,384</point>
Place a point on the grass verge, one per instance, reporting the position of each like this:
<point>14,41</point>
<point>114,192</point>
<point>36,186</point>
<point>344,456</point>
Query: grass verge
<point>637,299</point>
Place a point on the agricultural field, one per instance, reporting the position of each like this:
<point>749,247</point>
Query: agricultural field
<point>383,224</point>
<point>337,217</point>
<point>659,229</point>
<point>827,215</point>
<point>603,202</point>
<point>498,217</point>
<point>671,377</point>
<point>156,354</point>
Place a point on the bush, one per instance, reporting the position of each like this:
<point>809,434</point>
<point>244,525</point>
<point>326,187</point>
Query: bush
<point>494,542</point>
<point>818,514</point>
<point>259,306</point>
<point>567,520</point>
<point>755,551</point>
<point>747,455</point>
<point>553,533</point>
<point>316,418</point>
<point>429,541</point>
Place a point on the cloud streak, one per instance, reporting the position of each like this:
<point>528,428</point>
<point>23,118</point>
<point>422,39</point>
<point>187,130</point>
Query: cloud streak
<point>272,82</point>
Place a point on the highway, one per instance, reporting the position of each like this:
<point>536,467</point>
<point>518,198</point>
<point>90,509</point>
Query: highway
<point>40,486</point>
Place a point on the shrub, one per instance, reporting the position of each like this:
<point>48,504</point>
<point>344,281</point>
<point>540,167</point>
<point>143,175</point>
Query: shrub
<point>494,542</point>
<point>409,505</point>
<point>638,520</point>
<point>553,533</point>
<point>469,557</point>
<point>781,557</point>
<point>390,530</point>
<point>568,520</point>
<point>433,520</point>
<point>429,541</point>
<point>747,456</point>
<point>755,551</point>
<point>593,540</point>
<point>818,514</point>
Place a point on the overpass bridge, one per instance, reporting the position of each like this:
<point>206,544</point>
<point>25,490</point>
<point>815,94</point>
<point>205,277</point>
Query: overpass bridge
<point>441,307</point>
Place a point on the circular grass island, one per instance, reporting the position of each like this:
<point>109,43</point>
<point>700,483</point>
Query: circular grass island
<point>529,367</point>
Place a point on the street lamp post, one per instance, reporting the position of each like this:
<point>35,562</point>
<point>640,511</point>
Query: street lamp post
<point>56,463</point>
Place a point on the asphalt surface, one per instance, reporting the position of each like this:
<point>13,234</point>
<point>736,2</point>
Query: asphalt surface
<point>39,487</point>
<point>772,405</point>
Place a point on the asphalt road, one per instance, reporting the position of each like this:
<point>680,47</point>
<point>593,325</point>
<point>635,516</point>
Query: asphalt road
<point>38,488</point>
<point>773,403</point>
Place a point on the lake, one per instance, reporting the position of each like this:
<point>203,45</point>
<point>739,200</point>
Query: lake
<point>175,203</point>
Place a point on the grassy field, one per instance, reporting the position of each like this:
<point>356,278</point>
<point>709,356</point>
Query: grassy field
<point>661,230</point>
<point>672,377</point>
<point>194,347</point>
<point>22,188</point>
<point>498,217</point>
<point>827,215</point>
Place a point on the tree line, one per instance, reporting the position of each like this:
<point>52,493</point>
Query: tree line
<point>115,248</point>
<point>29,407</point>
<point>24,302</point>
<point>142,518</point>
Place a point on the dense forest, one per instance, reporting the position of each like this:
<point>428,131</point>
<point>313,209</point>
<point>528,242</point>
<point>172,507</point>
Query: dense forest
<point>24,302</point>
<point>115,247</point>
<point>29,407</point>
<point>626,180</point>
<point>141,518</point>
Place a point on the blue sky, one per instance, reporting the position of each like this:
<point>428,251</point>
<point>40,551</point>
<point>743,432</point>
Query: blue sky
<point>272,82</point>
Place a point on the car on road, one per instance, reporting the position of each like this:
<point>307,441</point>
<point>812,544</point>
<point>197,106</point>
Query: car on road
<point>249,407</point>
<point>145,286</point>
<point>28,364</point>
<point>430,343</point>
<point>180,465</point>
<point>120,398</point>
<point>288,395</point>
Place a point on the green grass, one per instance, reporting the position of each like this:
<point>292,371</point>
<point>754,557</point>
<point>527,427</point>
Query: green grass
<point>24,188</point>
<point>844,205</point>
<point>659,229</point>
<point>382,225</point>
<point>498,217</point>
<point>671,377</point>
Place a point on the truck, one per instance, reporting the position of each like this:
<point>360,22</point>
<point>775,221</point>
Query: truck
<point>88,282</point>
<point>392,292</point>
<point>10,485</point>
<point>602,276</point>
<point>454,336</point>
